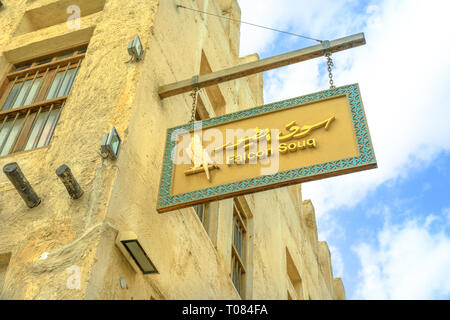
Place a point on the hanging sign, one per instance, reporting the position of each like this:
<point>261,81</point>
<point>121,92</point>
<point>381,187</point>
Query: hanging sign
<point>302,139</point>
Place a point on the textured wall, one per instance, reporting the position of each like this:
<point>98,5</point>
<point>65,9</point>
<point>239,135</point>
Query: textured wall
<point>102,96</point>
<point>193,264</point>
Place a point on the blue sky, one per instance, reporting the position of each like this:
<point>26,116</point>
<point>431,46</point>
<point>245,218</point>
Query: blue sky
<point>388,229</point>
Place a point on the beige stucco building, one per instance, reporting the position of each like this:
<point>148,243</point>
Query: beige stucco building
<point>64,85</point>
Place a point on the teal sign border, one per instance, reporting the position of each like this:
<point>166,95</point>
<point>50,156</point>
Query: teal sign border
<point>365,160</point>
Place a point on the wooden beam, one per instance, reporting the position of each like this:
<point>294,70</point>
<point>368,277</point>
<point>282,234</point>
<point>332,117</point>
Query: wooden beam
<point>263,65</point>
<point>34,106</point>
<point>200,169</point>
<point>41,68</point>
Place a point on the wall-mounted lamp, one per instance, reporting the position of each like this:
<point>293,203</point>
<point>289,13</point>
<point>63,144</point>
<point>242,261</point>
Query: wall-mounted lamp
<point>111,144</point>
<point>23,187</point>
<point>1,5</point>
<point>67,178</point>
<point>135,254</point>
<point>135,49</point>
<point>123,283</point>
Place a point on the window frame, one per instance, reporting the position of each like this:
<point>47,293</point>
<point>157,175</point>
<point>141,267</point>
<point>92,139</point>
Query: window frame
<point>47,72</point>
<point>206,211</point>
<point>238,254</point>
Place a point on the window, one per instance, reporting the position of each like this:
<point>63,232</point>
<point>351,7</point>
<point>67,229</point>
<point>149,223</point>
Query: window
<point>202,211</point>
<point>32,97</point>
<point>238,247</point>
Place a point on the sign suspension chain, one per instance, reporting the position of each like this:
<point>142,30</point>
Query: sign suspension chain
<point>330,65</point>
<point>194,103</point>
<point>193,94</point>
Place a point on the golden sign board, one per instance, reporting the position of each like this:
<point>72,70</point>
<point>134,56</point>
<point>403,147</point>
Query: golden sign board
<point>302,139</point>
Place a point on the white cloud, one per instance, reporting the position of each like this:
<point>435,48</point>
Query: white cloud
<point>316,19</point>
<point>337,262</point>
<point>407,261</point>
<point>446,213</point>
<point>402,72</point>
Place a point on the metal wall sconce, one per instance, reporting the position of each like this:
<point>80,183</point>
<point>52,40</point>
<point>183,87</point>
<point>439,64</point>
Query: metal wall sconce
<point>23,187</point>
<point>123,283</point>
<point>135,254</point>
<point>135,49</point>
<point>1,5</point>
<point>67,178</point>
<point>110,145</point>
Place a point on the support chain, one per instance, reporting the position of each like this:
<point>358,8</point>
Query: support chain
<point>194,103</point>
<point>330,65</point>
<point>195,89</point>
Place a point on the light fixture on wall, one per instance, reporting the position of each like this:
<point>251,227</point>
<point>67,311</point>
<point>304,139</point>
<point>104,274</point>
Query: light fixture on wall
<point>135,49</point>
<point>1,5</point>
<point>111,144</point>
<point>123,283</point>
<point>135,254</point>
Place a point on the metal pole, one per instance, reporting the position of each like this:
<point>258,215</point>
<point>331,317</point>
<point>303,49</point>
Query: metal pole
<point>36,117</point>
<point>21,129</point>
<point>29,89</point>
<point>69,87</point>
<point>3,123</point>
<point>18,92</point>
<point>14,83</point>
<point>9,132</point>
<point>54,77</point>
<point>41,129</point>
<point>52,128</point>
<point>58,88</point>
<point>266,64</point>
<point>38,91</point>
